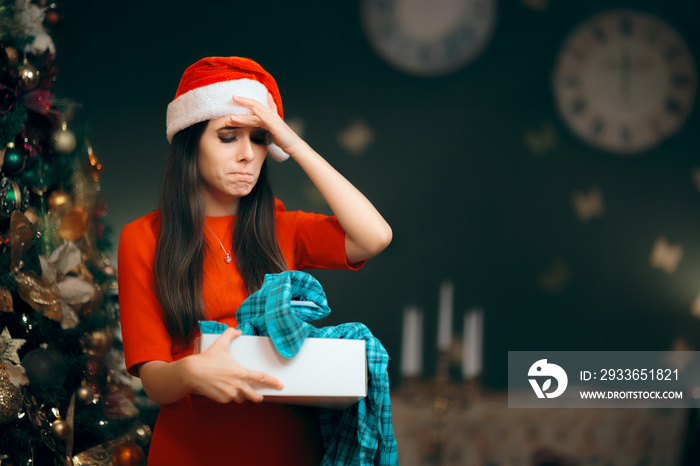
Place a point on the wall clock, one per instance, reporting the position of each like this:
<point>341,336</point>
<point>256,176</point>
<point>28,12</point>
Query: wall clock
<point>624,81</point>
<point>429,37</point>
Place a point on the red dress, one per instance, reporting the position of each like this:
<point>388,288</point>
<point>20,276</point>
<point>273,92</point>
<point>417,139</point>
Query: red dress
<point>196,430</point>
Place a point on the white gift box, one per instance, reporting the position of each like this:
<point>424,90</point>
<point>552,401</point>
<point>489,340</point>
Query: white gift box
<point>326,372</point>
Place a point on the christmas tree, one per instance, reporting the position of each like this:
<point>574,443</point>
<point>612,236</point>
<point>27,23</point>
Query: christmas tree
<point>65,397</point>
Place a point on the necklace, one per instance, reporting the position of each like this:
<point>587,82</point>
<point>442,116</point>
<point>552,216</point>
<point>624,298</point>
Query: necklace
<point>228,254</point>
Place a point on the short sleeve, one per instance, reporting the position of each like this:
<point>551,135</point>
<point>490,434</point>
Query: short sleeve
<point>144,334</point>
<point>317,241</point>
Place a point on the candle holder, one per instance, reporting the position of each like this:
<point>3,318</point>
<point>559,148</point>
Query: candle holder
<point>469,392</point>
<point>439,398</point>
<point>447,395</point>
<point>441,403</point>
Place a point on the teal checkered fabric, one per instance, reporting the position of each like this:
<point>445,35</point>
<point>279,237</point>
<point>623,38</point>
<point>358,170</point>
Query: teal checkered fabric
<point>282,309</point>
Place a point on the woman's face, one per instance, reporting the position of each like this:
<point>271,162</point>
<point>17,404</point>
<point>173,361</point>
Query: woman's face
<point>230,159</point>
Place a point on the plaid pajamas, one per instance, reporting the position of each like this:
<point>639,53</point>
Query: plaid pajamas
<point>282,309</point>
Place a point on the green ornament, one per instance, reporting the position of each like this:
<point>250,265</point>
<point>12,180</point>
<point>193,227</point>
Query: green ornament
<point>13,160</point>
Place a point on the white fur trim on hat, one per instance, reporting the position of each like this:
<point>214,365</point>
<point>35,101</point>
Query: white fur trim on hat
<point>274,151</point>
<point>215,101</point>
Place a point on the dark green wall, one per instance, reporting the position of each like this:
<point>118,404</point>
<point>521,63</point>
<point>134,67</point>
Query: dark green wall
<point>449,167</point>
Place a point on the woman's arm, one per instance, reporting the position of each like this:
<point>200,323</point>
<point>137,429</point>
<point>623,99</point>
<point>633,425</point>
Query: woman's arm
<point>366,231</point>
<point>213,373</point>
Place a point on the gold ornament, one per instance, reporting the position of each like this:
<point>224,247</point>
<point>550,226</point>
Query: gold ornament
<point>10,399</point>
<point>60,202</point>
<point>85,393</point>
<point>99,342</point>
<point>64,140</point>
<point>128,454</point>
<point>28,75</point>
<point>61,429</point>
<point>73,224</point>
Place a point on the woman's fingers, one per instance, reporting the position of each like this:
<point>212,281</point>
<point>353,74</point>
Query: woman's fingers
<point>229,335</point>
<point>271,102</point>
<point>224,380</point>
<point>268,118</point>
<point>258,378</point>
<point>261,378</point>
<point>246,120</point>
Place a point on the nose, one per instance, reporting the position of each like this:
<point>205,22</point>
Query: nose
<point>246,153</point>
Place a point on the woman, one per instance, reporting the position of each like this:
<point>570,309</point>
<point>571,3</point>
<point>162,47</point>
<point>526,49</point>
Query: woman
<point>218,231</point>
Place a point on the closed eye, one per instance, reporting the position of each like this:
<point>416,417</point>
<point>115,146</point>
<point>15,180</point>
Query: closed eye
<point>260,137</point>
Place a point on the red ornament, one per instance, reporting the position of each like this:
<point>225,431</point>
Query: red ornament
<point>52,17</point>
<point>128,454</point>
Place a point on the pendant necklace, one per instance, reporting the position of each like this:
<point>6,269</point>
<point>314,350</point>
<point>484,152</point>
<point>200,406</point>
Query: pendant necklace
<point>228,254</point>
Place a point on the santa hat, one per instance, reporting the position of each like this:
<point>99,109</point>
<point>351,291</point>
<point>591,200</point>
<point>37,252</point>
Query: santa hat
<point>206,90</point>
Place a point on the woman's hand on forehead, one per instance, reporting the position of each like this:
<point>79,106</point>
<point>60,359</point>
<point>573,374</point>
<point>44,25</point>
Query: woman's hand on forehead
<point>268,118</point>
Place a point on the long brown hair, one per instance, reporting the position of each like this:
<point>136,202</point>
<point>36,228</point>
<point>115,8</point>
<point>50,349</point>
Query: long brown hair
<point>179,260</point>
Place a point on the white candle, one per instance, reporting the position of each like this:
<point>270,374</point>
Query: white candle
<point>411,346</point>
<point>473,343</point>
<point>445,316</point>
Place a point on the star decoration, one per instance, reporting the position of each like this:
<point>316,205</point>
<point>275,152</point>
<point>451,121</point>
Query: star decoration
<point>588,205</point>
<point>695,307</point>
<point>9,347</point>
<point>679,356</point>
<point>539,5</point>
<point>356,137</point>
<point>696,177</point>
<point>665,256</point>
<point>541,140</point>
<point>556,277</point>
<point>297,125</point>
